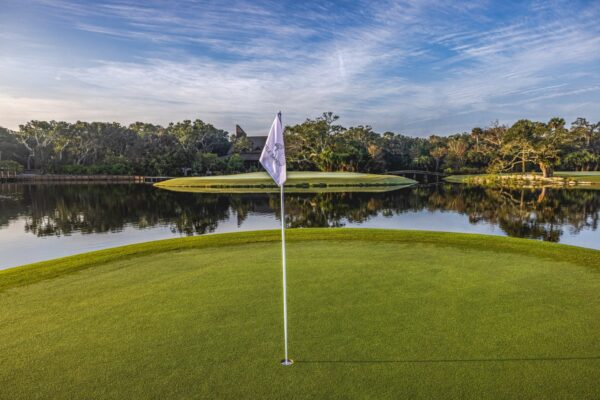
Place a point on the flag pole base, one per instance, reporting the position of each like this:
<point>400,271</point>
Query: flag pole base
<point>285,363</point>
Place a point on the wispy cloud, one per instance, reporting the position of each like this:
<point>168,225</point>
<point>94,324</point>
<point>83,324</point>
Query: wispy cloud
<point>416,66</point>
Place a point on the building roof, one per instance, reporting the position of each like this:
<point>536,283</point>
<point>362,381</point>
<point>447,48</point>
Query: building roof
<point>256,145</point>
<point>257,142</point>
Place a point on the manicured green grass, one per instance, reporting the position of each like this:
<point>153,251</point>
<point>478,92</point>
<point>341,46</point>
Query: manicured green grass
<point>288,189</point>
<point>373,314</point>
<point>584,178</point>
<point>462,178</point>
<point>295,181</point>
<point>592,177</point>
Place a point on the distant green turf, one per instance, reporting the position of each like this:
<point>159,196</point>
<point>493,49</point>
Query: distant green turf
<point>592,177</point>
<point>584,178</point>
<point>373,314</point>
<point>463,178</point>
<point>296,181</point>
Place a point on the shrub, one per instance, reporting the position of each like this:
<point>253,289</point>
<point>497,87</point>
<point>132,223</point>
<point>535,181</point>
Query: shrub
<point>10,165</point>
<point>235,163</point>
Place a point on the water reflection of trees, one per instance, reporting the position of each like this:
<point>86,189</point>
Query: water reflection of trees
<point>539,213</point>
<point>64,209</point>
<point>11,203</point>
<point>331,209</point>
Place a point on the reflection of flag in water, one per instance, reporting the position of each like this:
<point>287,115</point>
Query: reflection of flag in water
<point>273,160</point>
<point>273,154</point>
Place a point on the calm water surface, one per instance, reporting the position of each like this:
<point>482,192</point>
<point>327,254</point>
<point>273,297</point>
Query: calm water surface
<point>39,222</point>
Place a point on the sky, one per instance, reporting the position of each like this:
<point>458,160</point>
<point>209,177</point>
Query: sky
<point>416,67</point>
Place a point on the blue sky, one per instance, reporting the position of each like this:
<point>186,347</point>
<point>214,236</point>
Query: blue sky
<point>415,67</point>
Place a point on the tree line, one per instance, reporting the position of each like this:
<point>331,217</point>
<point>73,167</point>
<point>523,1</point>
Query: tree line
<point>319,144</point>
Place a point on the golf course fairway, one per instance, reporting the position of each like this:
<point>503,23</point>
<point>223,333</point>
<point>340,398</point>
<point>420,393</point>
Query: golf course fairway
<point>372,314</point>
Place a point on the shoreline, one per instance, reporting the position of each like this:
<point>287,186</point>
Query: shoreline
<point>561,179</point>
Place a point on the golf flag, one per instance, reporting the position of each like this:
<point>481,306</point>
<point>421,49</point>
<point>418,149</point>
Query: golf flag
<point>273,154</point>
<point>272,159</point>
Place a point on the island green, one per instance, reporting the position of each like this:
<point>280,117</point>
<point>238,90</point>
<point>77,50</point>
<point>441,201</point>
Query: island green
<point>295,181</point>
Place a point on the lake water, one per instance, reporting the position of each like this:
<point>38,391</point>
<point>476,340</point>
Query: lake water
<point>40,222</point>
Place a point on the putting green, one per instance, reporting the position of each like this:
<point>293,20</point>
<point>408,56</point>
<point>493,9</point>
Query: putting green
<point>373,314</point>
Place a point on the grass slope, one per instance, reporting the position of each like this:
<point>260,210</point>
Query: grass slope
<point>373,313</point>
<point>295,180</point>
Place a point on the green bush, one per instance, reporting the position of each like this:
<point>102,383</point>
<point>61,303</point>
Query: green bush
<point>463,171</point>
<point>209,163</point>
<point>74,170</point>
<point>235,163</point>
<point>10,165</point>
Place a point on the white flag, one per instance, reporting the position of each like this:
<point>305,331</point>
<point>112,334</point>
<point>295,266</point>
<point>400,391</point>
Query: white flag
<point>273,154</point>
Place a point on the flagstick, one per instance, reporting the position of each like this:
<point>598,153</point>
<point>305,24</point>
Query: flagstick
<point>286,361</point>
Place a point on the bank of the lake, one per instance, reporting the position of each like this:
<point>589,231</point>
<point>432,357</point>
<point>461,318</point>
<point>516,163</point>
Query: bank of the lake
<point>295,180</point>
<point>376,313</point>
<point>585,179</point>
